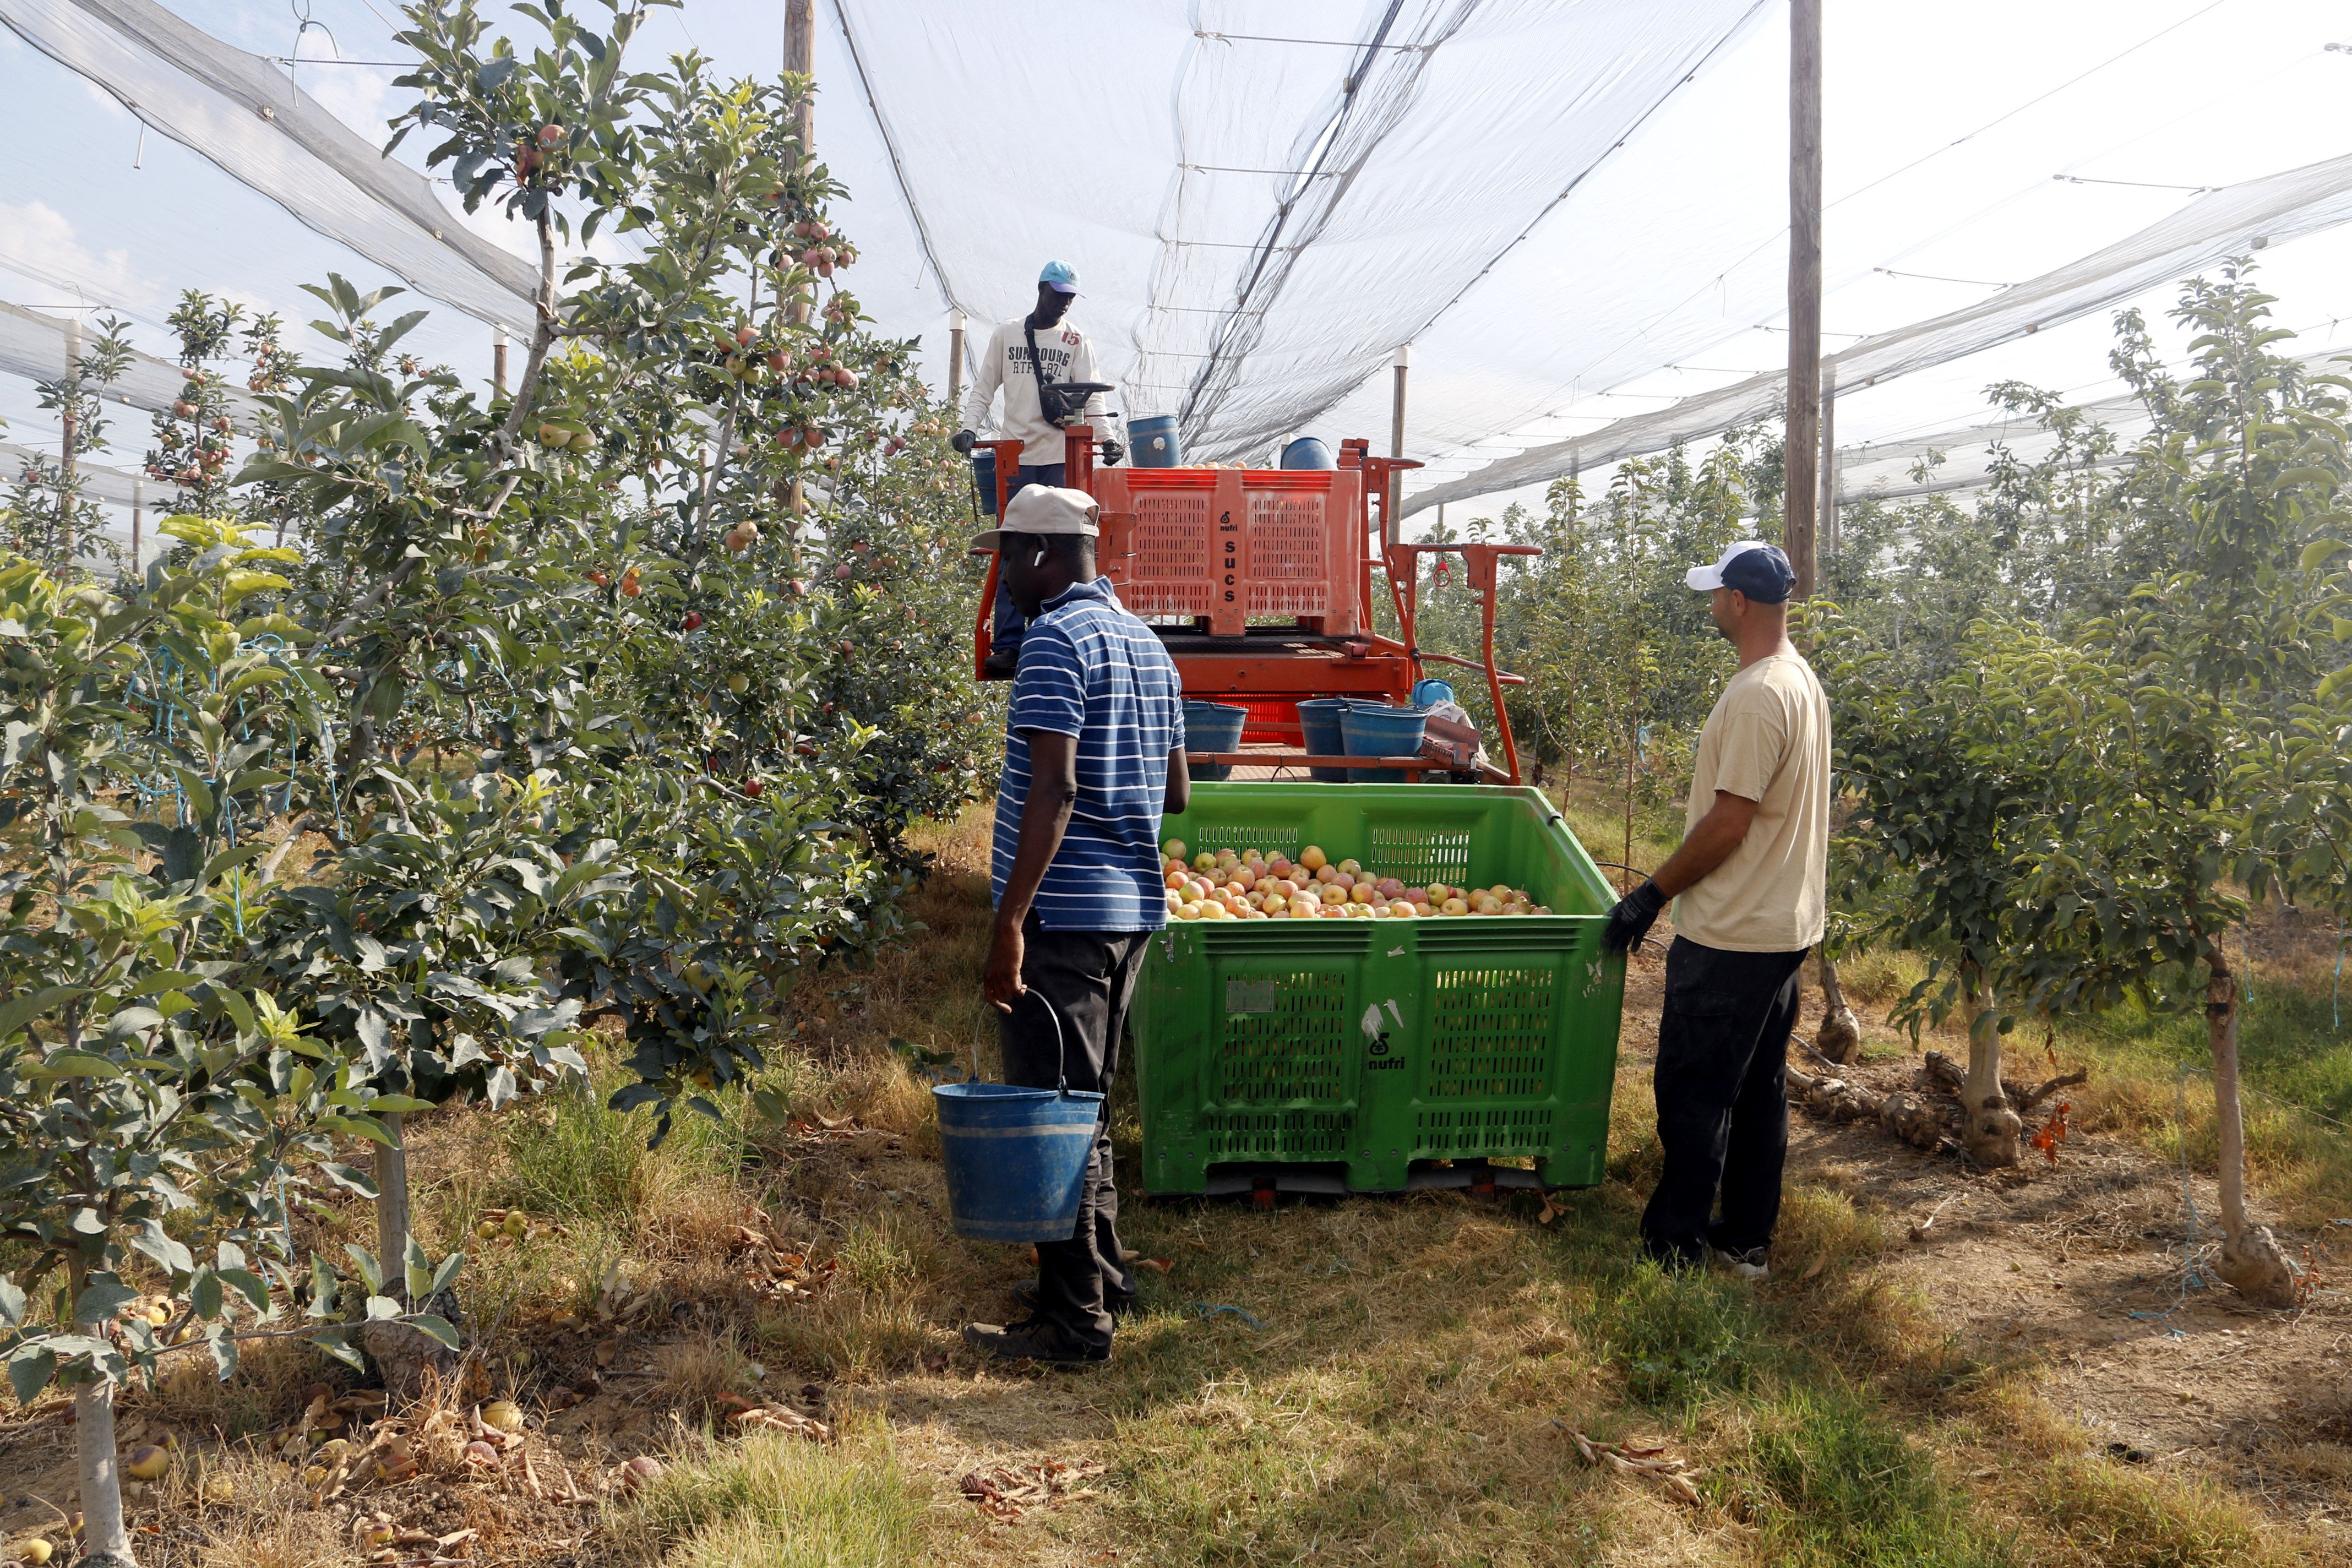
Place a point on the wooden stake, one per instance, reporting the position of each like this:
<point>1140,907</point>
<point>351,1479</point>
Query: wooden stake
<point>1804,449</point>
<point>67,453</point>
<point>498,359</point>
<point>955,357</point>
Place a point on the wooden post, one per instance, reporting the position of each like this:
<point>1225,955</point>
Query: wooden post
<point>955,357</point>
<point>1394,531</point>
<point>1802,458</point>
<point>138,511</point>
<point>1826,517</point>
<point>498,359</point>
<point>800,59</point>
<point>71,434</point>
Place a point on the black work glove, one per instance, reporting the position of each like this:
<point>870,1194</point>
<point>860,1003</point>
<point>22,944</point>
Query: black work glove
<point>963,441</point>
<point>1114,451</point>
<point>1632,918</point>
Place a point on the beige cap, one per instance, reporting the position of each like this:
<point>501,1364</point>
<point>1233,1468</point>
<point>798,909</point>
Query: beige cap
<point>1044,509</point>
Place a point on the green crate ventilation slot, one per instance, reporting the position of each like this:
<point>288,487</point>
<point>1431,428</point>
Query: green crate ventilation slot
<point>1490,1035</point>
<point>1265,840</point>
<point>1420,856</point>
<point>1281,1040</point>
<point>1454,1134</point>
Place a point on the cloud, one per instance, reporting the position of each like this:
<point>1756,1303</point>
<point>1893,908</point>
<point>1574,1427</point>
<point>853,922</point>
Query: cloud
<point>39,242</point>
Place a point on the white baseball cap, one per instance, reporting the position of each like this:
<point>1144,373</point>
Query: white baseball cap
<point>1756,569</point>
<point>1044,509</point>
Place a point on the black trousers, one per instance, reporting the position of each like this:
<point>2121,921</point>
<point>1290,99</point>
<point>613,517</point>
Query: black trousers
<point>1089,979</point>
<point>1722,1106</point>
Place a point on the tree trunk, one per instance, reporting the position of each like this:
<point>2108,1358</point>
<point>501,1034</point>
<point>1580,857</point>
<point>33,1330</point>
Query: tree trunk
<point>106,1539</point>
<point>1989,1128</point>
<point>1840,1035</point>
<point>409,1359</point>
<point>2251,1259</point>
<point>392,1200</point>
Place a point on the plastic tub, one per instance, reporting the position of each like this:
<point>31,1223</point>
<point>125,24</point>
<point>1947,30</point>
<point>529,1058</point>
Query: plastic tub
<point>1152,442</point>
<point>1308,452</point>
<point>1213,727</point>
<point>984,474</point>
<point>1377,730</point>
<point>1318,723</point>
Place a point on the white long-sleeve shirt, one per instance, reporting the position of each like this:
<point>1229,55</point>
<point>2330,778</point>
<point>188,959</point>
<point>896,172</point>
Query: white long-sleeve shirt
<point>1005,365</point>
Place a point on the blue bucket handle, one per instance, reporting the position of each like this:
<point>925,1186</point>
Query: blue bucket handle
<point>1061,1048</point>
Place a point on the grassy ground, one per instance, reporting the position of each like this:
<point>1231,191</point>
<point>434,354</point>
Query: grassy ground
<point>1405,1387</point>
<point>1398,1381</point>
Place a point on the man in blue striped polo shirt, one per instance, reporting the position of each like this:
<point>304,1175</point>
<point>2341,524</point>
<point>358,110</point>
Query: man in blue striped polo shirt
<point>1094,753</point>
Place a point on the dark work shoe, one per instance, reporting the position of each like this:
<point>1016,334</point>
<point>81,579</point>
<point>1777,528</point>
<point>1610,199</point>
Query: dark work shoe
<point>1674,1259</point>
<point>1025,1296</point>
<point>1000,663</point>
<point>1033,1340</point>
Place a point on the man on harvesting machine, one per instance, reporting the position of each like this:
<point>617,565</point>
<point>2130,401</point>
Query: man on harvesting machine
<point>1061,354</point>
<point>1748,885</point>
<point>1094,753</point>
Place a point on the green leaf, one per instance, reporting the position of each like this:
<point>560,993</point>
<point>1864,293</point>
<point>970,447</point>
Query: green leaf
<point>435,1327</point>
<point>71,1064</point>
<point>101,1300</point>
<point>403,1103</point>
<point>29,1371</point>
<point>25,1009</point>
<point>380,1307</point>
<point>337,1343</point>
<point>12,1299</point>
<point>164,1248</point>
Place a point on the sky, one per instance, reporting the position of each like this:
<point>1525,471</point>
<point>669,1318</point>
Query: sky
<point>1965,147</point>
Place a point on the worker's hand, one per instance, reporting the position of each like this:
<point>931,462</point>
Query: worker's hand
<point>1114,451</point>
<point>1632,918</point>
<point>963,441</point>
<point>1000,982</point>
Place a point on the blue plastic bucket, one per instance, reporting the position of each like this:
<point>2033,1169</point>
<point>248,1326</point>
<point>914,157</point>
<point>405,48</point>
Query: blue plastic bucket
<point>1318,723</point>
<point>1213,727</point>
<point>1016,1159</point>
<point>1308,452</point>
<point>984,474</point>
<point>1377,730</point>
<point>1151,442</point>
<point>1430,692</point>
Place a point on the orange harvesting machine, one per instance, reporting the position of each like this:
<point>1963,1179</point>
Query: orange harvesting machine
<point>1260,582</point>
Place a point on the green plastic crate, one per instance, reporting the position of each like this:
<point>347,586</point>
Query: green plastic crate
<point>1374,1045</point>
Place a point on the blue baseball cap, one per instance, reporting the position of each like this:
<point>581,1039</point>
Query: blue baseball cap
<point>1060,277</point>
<point>1756,569</point>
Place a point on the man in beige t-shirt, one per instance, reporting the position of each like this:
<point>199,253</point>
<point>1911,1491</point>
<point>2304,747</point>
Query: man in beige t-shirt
<point>1748,890</point>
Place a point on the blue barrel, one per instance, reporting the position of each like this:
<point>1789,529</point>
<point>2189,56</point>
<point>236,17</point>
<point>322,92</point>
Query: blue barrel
<point>1016,1159</point>
<point>1308,452</point>
<point>1377,730</point>
<point>1431,692</point>
<point>984,474</point>
<point>1318,722</point>
<point>1213,727</point>
<point>1151,442</point>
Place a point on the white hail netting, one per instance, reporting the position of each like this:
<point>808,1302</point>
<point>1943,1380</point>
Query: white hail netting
<point>37,347</point>
<point>2212,228</point>
<point>1262,202</point>
<point>1885,470</point>
<point>233,108</point>
<point>99,482</point>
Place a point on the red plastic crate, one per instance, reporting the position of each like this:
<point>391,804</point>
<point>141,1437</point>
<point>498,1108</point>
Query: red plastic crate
<point>1236,544</point>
